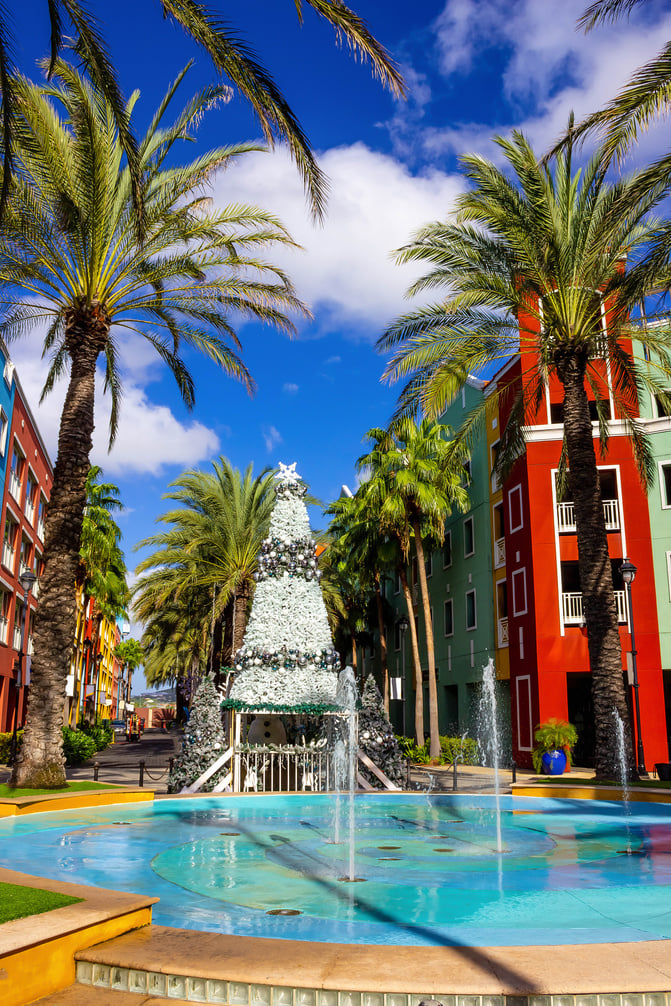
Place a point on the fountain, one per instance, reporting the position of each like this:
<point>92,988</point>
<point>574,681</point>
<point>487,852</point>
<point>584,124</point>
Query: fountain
<point>489,718</point>
<point>346,697</point>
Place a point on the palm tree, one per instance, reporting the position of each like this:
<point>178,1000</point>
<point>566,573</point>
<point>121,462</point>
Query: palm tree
<point>204,563</point>
<point>69,247</point>
<point>527,266</point>
<point>424,474</point>
<point>130,655</point>
<point>232,58</point>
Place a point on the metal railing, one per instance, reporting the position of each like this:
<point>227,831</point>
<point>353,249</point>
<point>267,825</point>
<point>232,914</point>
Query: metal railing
<point>8,554</point>
<point>503,631</point>
<point>261,769</point>
<point>572,611</point>
<point>499,553</point>
<point>566,516</point>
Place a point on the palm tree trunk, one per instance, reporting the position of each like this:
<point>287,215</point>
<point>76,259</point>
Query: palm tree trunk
<point>41,763</point>
<point>434,733</point>
<point>416,664</point>
<point>596,580</point>
<point>383,642</point>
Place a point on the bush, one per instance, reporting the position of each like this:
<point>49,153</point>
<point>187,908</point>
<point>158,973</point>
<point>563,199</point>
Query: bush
<point>78,747</point>
<point>6,746</point>
<point>100,732</point>
<point>465,748</point>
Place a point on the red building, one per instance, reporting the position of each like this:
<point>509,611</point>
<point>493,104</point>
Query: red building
<point>26,490</point>
<point>547,640</point>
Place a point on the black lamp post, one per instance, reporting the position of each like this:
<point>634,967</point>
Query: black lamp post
<point>628,574</point>
<point>403,624</point>
<point>26,579</point>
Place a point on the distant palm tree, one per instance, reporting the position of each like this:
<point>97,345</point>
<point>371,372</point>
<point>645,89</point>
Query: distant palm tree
<point>202,568</point>
<point>232,58</point>
<point>130,655</point>
<point>421,474</point>
<point>529,264</point>
<point>70,255</point>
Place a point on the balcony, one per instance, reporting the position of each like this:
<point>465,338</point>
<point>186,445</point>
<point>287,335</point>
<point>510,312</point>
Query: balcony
<point>15,486</point>
<point>30,511</point>
<point>572,613</point>
<point>503,632</point>
<point>4,628</point>
<point>566,516</point>
<point>40,528</point>
<point>8,556</point>
<point>499,553</point>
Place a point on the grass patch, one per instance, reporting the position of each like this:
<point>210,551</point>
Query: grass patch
<point>19,902</point>
<point>6,792</point>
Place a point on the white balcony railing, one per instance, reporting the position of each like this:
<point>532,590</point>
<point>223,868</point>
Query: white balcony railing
<point>15,486</point>
<point>29,647</point>
<point>566,516</point>
<point>40,528</point>
<point>30,511</point>
<point>17,636</point>
<point>24,567</point>
<point>572,612</point>
<point>499,553</point>
<point>4,627</point>
<point>8,556</point>
<point>503,631</point>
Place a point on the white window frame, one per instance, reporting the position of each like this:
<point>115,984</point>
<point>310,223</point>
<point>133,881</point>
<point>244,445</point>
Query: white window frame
<point>428,563</point>
<point>4,431</point>
<point>469,520</point>
<point>522,573</point>
<point>662,483</point>
<point>449,602</point>
<point>448,537</point>
<point>518,491</point>
<point>668,572</point>
<point>471,628</point>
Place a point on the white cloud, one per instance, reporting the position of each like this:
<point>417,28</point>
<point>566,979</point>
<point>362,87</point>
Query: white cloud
<point>332,360</point>
<point>150,437</point>
<point>271,437</point>
<point>346,272</point>
<point>549,68</point>
<point>289,388</point>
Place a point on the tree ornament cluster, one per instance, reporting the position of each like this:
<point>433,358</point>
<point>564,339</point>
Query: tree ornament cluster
<point>377,738</point>
<point>287,659</point>
<point>284,555</point>
<point>203,740</point>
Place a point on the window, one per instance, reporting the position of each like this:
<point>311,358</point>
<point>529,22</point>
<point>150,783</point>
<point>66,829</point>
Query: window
<point>428,564</point>
<point>25,555</point>
<point>397,581</point>
<point>41,516</point>
<point>471,612</point>
<point>8,373</point>
<point>5,601</point>
<point>447,550</point>
<point>665,483</point>
<point>16,472</point>
<point>31,490</point>
<point>495,451</point>
<point>4,430</point>
<point>469,537</point>
<point>468,475</point>
<point>662,409</point>
<point>9,542</point>
<point>449,617</point>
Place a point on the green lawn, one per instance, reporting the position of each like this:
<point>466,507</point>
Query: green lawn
<point>19,902</point>
<point>6,792</point>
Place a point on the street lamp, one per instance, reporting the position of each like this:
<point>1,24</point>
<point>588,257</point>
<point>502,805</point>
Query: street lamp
<point>403,624</point>
<point>628,574</point>
<point>27,580</point>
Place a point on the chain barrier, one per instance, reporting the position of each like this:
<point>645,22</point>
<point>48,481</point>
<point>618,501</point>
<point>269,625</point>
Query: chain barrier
<point>162,770</point>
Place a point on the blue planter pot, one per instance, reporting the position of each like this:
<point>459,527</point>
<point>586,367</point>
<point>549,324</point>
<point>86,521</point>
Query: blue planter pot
<point>554,762</point>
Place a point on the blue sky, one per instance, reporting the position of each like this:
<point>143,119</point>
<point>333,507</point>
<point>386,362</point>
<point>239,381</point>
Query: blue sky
<point>474,68</point>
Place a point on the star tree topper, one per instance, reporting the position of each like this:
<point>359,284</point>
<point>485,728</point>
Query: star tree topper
<point>288,473</point>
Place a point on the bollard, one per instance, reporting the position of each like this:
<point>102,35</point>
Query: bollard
<point>514,771</point>
<point>141,783</point>
<point>454,776</point>
<point>96,768</point>
<point>171,764</point>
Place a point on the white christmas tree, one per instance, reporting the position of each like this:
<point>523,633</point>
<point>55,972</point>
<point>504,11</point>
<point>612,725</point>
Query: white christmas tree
<point>287,660</point>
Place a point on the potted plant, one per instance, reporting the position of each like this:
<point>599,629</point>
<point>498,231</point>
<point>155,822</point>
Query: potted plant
<point>554,740</point>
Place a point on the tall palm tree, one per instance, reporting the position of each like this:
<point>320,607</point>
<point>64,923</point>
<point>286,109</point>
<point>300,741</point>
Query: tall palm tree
<point>130,655</point>
<point>423,474</point>
<point>527,265</point>
<point>204,563</point>
<point>232,58</point>
<point>70,256</point>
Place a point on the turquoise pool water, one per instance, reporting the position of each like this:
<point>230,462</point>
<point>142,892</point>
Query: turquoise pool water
<point>429,871</point>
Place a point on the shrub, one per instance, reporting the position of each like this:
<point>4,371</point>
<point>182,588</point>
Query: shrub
<point>465,748</point>
<point>78,747</point>
<point>100,732</point>
<point>6,746</point>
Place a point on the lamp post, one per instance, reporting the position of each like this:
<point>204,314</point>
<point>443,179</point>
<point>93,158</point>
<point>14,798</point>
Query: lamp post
<point>27,580</point>
<point>628,574</point>
<point>98,659</point>
<point>403,624</point>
